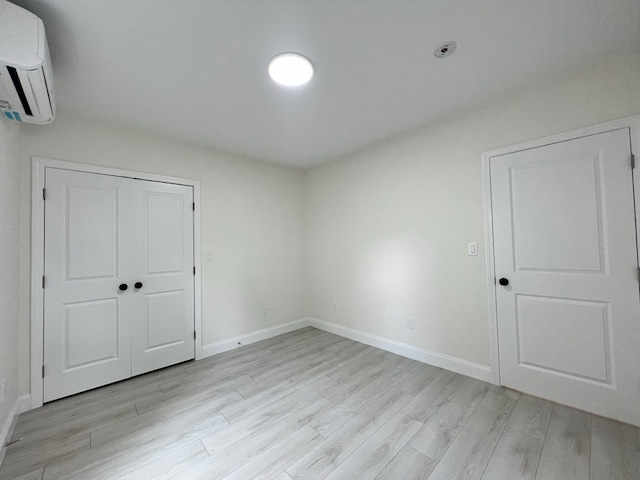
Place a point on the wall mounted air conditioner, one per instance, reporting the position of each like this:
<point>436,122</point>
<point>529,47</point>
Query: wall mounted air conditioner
<point>26,82</point>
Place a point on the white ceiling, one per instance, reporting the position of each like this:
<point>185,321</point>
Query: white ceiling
<point>197,70</point>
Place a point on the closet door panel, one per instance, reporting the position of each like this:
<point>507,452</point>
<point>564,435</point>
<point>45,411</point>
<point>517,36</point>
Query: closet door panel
<point>87,257</point>
<point>163,316</point>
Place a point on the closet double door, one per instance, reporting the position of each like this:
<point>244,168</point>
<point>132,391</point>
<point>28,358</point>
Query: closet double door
<point>119,279</point>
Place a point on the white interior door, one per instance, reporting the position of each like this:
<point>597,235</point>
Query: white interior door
<point>565,239</point>
<point>86,327</point>
<point>163,326</point>
<point>103,235</point>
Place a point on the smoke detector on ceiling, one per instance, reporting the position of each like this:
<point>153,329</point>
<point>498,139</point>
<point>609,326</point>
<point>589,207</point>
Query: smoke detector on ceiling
<point>446,49</point>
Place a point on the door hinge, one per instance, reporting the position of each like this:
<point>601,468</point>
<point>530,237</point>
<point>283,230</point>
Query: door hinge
<point>42,371</point>
<point>193,205</point>
<point>42,281</point>
<point>638,274</point>
<point>194,334</point>
<point>44,194</point>
<point>633,161</point>
<point>194,270</point>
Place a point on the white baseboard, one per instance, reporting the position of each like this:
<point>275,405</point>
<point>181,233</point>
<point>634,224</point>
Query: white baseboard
<point>252,337</point>
<point>454,364</point>
<point>22,404</point>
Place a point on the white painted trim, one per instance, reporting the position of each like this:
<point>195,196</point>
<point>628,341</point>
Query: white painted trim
<point>24,403</point>
<point>454,364</point>
<point>631,123</point>
<point>37,271</point>
<point>494,353</point>
<point>252,337</point>
<point>10,425</point>
<point>37,255</point>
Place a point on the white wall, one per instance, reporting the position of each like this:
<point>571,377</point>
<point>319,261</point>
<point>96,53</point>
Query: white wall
<point>252,221</point>
<point>387,228</point>
<point>9,271</point>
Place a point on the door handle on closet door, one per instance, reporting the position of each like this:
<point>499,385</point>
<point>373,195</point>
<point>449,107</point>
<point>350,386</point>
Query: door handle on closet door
<point>138,285</point>
<point>123,287</point>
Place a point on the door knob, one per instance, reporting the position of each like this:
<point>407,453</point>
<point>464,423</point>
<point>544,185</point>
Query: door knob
<point>503,281</point>
<point>138,285</point>
<point>123,287</point>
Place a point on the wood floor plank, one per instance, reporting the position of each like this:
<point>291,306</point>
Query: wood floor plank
<point>288,374</point>
<point>67,425</point>
<point>160,422</point>
<point>615,450</point>
<point>176,399</point>
<point>321,460</point>
<point>440,430</point>
<point>344,389</point>
<point>282,363</point>
<point>433,396</point>
<point>567,446</point>
<point>35,475</point>
<point>365,361</point>
<point>234,456</point>
<point>419,377</point>
<point>205,378</point>
<point>169,465</point>
<point>136,450</point>
<point>282,476</point>
<point>442,427</point>
<point>26,459</point>
<point>350,354</point>
<point>370,458</point>
<point>343,412</point>
<point>470,452</point>
<point>407,465</point>
<point>470,392</point>
<point>281,454</point>
<point>275,393</point>
<point>385,417</point>
<point>109,396</point>
<point>513,394</point>
<point>268,415</point>
<point>516,457</point>
<point>531,416</point>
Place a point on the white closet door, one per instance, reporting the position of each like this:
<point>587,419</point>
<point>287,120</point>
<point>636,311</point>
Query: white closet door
<point>565,240</point>
<point>163,318</point>
<point>86,328</point>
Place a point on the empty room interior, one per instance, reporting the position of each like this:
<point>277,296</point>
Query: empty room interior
<point>316,239</point>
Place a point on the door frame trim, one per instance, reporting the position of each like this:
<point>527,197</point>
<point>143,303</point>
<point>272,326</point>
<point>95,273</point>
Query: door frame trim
<point>631,123</point>
<point>38,166</point>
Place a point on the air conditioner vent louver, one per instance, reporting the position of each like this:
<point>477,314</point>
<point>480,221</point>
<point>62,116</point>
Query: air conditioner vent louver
<point>13,73</point>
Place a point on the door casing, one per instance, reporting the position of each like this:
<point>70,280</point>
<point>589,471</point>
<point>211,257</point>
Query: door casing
<point>39,164</point>
<point>632,124</point>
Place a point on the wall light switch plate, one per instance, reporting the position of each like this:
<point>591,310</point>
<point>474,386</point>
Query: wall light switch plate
<point>209,256</point>
<point>472,249</point>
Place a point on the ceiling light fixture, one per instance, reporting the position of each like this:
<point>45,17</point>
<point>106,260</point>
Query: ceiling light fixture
<point>290,69</point>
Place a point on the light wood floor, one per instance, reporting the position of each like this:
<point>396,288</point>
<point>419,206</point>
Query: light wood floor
<point>311,405</point>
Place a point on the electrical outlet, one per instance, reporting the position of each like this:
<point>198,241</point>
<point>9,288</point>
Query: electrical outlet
<point>408,322</point>
<point>265,312</point>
